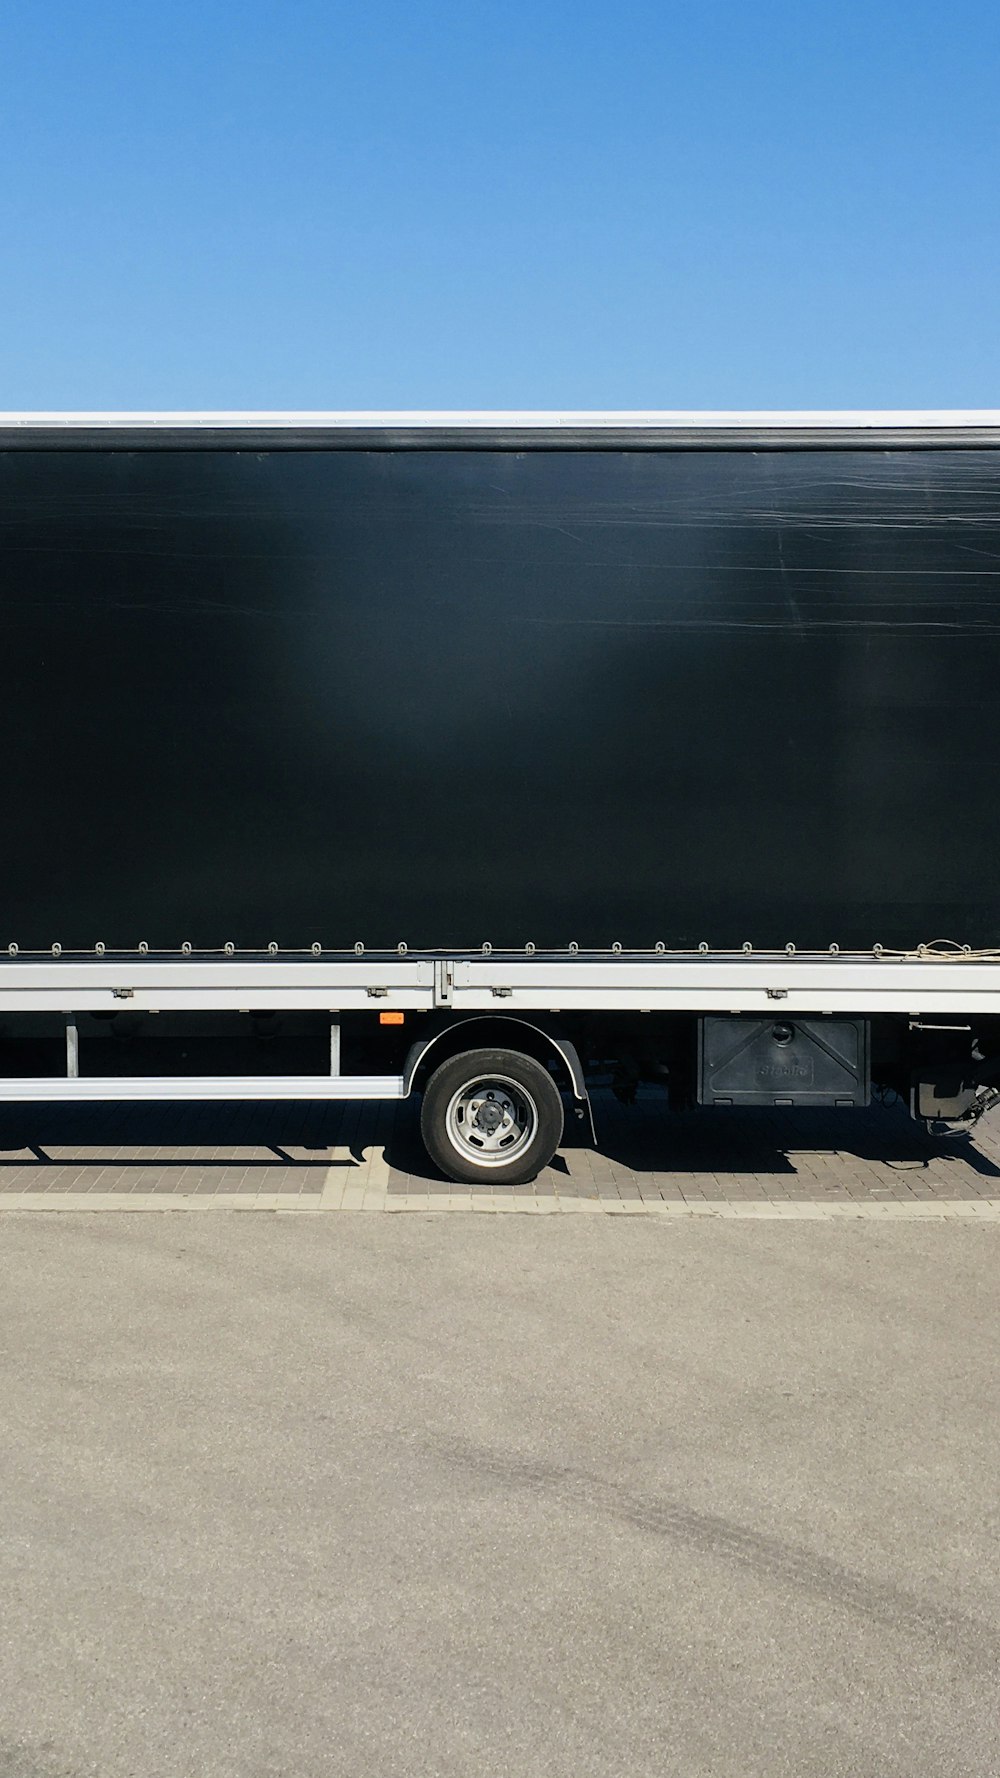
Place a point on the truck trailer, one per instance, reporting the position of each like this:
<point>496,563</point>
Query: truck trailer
<point>472,756</point>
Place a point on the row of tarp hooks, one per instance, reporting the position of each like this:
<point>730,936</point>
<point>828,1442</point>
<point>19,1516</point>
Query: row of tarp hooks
<point>938,948</point>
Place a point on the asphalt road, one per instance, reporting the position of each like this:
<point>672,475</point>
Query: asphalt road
<point>463,1496</point>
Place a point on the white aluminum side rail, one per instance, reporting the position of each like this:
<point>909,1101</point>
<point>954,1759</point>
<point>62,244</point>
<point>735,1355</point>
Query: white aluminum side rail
<point>676,982</point>
<point>805,984</point>
<point>152,984</point>
<point>682,982</point>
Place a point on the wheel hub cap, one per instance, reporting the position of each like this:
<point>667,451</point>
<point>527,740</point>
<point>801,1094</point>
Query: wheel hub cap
<point>492,1121</point>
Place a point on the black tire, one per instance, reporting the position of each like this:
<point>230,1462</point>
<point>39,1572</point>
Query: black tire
<point>509,1080</point>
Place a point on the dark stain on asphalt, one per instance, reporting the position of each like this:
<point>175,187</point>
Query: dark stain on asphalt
<point>19,1760</point>
<point>783,1565</point>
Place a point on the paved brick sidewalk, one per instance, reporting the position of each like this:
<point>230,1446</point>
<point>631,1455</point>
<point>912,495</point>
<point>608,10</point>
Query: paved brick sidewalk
<point>318,1156</point>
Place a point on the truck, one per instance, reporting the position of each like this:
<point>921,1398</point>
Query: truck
<point>474,756</point>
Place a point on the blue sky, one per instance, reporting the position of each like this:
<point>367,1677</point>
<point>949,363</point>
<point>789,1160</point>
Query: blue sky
<point>386,204</point>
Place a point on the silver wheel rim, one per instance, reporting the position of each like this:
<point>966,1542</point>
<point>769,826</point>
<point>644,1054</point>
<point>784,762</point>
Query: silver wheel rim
<point>491,1121</point>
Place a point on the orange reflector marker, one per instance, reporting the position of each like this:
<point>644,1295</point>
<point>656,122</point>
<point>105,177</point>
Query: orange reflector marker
<point>390,1018</point>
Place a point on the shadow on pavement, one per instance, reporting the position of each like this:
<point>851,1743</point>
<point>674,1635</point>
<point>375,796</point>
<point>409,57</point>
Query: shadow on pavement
<point>644,1138</point>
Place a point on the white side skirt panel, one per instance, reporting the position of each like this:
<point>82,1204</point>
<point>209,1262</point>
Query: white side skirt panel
<point>208,1086</point>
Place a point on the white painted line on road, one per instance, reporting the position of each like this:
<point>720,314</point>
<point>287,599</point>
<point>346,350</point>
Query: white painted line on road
<point>376,1178</point>
<point>366,1191</point>
<point>341,1173</point>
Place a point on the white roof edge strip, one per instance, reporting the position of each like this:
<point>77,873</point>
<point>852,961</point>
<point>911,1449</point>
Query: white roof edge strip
<point>790,419</point>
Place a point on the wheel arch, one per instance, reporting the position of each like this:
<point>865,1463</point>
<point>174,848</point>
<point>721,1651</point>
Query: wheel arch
<point>505,1031</point>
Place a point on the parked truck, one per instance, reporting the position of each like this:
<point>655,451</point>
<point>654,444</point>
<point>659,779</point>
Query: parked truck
<point>464,755</point>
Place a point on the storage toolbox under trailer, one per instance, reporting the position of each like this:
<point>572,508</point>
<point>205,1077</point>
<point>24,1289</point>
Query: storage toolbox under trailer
<point>473,757</point>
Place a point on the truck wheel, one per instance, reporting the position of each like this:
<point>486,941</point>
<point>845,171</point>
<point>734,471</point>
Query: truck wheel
<point>491,1117</point>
